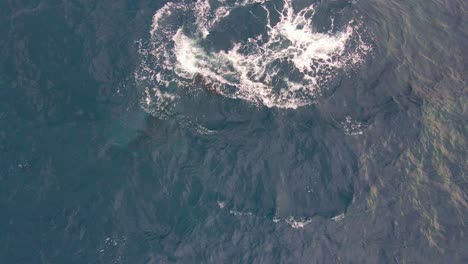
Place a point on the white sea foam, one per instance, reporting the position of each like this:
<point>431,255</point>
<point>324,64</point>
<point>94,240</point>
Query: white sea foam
<point>338,217</point>
<point>284,67</point>
<point>240,213</point>
<point>352,127</point>
<point>297,223</point>
<point>221,204</point>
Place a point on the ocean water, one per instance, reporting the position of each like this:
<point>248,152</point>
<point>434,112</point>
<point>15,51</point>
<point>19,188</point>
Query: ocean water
<point>235,131</point>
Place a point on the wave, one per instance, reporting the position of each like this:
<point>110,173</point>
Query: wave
<point>284,65</point>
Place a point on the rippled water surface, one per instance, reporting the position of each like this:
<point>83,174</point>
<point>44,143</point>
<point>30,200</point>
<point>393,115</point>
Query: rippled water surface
<point>235,131</point>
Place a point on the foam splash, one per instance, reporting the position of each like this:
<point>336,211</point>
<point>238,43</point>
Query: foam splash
<point>338,218</point>
<point>284,67</point>
<point>297,223</point>
<point>352,127</point>
<point>293,222</point>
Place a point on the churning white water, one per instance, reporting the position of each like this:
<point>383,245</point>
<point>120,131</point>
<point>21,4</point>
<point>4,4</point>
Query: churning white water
<point>283,67</point>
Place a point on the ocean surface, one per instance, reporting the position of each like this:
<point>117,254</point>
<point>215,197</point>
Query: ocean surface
<point>234,131</point>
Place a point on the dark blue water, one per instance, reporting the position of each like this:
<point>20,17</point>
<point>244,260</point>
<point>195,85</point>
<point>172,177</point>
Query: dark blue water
<point>369,168</point>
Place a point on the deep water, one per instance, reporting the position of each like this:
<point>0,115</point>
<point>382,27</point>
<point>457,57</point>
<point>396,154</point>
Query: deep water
<point>102,162</point>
